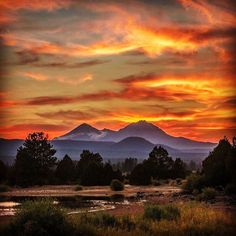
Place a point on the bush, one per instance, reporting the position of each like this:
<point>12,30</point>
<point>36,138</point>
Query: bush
<point>156,212</point>
<point>3,188</point>
<point>207,194</point>
<point>116,185</point>
<point>99,219</point>
<point>78,188</point>
<point>127,223</point>
<point>194,182</point>
<point>40,218</point>
<point>230,189</point>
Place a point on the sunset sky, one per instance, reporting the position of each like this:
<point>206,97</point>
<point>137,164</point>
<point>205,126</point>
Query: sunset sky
<point>109,63</point>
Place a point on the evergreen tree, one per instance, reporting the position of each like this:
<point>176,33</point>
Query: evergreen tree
<point>65,171</point>
<point>34,160</point>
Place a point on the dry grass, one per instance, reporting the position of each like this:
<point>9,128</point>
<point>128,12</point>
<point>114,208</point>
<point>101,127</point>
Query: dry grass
<point>195,219</point>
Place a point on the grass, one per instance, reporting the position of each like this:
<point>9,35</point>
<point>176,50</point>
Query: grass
<point>117,185</point>
<point>190,219</point>
<point>193,219</point>
<point>165,212</point>
<point>207,194</point>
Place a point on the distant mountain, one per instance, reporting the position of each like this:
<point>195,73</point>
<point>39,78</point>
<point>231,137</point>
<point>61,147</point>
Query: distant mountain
<point>141,129</point>
<point>128,147</point>
<point>82,132</point>
<point>132,143</point>
<point>134,140</point>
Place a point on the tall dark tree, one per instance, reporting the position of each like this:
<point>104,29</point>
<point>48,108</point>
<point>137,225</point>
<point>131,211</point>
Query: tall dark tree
<point>179,169</point>
<point>219,167</point>
<point>65,171</point>
<point>89,168</point>
<point>160,163</point>
<point>34,160</point>
<point>129,164</point>
<point>140,175</point>
<point>3,171</point>
<point>108,174</point>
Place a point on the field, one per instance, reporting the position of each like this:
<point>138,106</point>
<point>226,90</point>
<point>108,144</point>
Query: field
<point>127,215</point>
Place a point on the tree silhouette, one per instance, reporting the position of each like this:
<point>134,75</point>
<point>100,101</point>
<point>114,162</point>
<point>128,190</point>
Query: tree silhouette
<point>160,163</point>
<point>65,171</point>
<point>219,167</point>
<point>34,160</point>
<point>178,169</point>
<point>3,171</point>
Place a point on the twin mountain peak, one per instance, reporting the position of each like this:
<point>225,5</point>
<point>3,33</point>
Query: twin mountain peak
<point>133,133</point>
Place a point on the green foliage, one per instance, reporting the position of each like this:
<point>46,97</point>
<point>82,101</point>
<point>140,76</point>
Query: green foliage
<point>78,188</point>
<point>129,164</point>
<point>91,170</point>
<point>195,219</point>
<point>3,171</point>
<point>65,171</point>
<point>99,219</point>
<point>166,212</point>
<point>179,169</point>
<point>230,189</point>
<point>3,188</point>
<point>140,175</point>
<point>159,165</point>
<point>194,182</point>
<point>40,218</point>
<point>207,194</point>
<point>34,160</point>
<point>219,167</point>
<point>126,223</point>
<point>117,185</point>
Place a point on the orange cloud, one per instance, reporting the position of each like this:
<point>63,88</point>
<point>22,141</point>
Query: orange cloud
<point>35,76</point>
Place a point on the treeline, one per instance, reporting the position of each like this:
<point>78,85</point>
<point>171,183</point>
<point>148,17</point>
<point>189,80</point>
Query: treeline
<point>218,170</point>
<point>159,165</point>
<point>36,164</point>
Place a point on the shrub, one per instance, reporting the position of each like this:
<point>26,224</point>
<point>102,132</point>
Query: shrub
<point>207,194</point>
<point>40,218</point>
<point>78,188</point>
<point>116,185</point>
<point>3,188</point>
<point>156,212</point>
<point>127,223</point>
<point>194,181</point>
<point>99,219</point>
<point>230,189</point>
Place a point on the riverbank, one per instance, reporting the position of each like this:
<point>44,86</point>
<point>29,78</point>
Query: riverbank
<point>95,191</point>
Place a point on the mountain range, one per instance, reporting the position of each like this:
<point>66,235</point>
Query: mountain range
<point>134,140</point>
<point>142,129</point>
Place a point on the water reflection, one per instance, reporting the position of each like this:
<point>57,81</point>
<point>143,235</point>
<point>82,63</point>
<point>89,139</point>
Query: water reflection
<point>8,208</point>
<point>73,205</point>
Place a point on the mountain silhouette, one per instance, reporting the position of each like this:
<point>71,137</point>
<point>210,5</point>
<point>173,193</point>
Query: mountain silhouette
<point>142,129</point>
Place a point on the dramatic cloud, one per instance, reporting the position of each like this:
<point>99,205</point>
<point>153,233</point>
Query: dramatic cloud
<point>114,62</point>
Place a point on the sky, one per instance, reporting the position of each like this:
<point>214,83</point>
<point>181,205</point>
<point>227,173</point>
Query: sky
<point>110,63</point>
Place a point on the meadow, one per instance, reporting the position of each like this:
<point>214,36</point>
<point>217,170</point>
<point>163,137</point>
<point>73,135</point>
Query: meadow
<point>185,218</point>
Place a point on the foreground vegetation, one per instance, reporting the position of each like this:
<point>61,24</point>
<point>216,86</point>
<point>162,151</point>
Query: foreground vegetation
<point>43,218</point>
